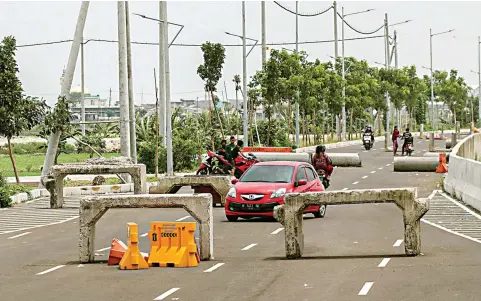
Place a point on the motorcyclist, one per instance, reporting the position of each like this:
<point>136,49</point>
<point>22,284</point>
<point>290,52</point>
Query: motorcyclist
<point>408,139</point>
<point>236,151</point>
<point>368,130</point>
<point>321,161</point>
<point>222,150</point>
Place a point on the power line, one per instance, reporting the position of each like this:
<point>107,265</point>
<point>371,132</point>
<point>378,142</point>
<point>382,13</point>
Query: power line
<point>358,31</point>
<point>198,45</point>
<point>301,14</point>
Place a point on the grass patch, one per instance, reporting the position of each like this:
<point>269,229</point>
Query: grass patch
<point>29,165</point>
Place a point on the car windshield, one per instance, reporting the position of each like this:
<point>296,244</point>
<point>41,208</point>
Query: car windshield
<point>268,174</point>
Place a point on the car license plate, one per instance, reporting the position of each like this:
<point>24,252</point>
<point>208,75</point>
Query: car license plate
<point>249,206</point>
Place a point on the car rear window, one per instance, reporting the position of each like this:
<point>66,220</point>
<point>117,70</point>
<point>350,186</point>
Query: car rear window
<point>268,174</point>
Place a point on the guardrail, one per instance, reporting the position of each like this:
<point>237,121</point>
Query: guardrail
<point>463,180</point>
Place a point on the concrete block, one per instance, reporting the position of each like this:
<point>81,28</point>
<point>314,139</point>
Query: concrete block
<point>172,184</point>
<point>290,214</point>
<point>422,164</point>
<point>91,209</point>
<point>338,159</point>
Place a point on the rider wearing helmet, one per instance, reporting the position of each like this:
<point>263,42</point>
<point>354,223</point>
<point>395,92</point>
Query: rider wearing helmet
<point>368,130</point>
<point>408,139</point>
<point>321,161</point>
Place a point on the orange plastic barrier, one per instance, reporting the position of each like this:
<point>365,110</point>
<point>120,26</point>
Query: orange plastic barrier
<point>117,251</point>
<point>133,259</point>
<point>267,149</point>
<point>173,244</point>
<point>442,167</point>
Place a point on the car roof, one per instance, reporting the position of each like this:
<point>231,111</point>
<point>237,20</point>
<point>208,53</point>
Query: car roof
<point>281,163</point>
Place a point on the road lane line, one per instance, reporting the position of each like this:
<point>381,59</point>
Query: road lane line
<point>398,243</point>
<point>384,262</point>
<point>388,164</point>
<point>380,168</point>
<point>167,293</point>
<point>277,231</point>
<point>100,250</point>
<point>373,171</point>
<point>344,189</point>
<point>364,177</point>
<point>144,235</point>
<point>182,218</point>
<point>355,183</point>
<point>216,266</point>
<point>365,289</point>
<point>51,270</point>
<point>248,247</point>
<point>19,235</point>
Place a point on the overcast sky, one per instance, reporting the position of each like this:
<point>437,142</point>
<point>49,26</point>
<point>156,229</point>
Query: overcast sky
<point>41,66</point>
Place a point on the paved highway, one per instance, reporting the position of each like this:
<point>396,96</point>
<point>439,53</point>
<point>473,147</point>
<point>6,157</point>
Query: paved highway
<point>355,252</point>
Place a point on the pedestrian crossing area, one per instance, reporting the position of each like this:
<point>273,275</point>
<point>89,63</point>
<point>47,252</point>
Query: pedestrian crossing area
<point>452,216</point>
<point>36,214</point>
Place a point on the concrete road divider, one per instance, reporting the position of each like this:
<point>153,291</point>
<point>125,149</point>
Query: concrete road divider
<point>436,154</point>
<point>290,214</point>
<point>423,164</point>
<point>53,181</point>
<point>338,159</point>
<point>91,209</point>
<point>217,185</point>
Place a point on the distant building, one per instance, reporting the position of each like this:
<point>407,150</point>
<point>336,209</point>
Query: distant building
<point>96,108</point>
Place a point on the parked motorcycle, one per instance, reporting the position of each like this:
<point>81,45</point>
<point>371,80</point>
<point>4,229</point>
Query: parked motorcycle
<point>367,141</point>
<point>213,163</point>
<point>242,163</point>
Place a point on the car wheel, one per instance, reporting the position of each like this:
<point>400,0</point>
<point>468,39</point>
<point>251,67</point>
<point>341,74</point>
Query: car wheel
<point>322,211</point>
<point>232,218</point>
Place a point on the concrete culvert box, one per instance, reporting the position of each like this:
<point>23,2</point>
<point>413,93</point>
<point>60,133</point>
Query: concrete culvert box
<point>338,159</point>
<point>422,164</point>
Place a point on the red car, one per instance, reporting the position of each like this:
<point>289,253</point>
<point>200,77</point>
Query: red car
<point>263,186</point>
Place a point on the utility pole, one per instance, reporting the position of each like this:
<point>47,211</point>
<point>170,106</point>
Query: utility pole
<point>165,25</point>
<point>110,97</point>
<point>336,55</point>
<point>479,79</point>
<point>133,138</point>
<point>54,138</point>
<point>343,110</point>
<point>398,115</point>
<point>298,142</point>
<point>386,40</point>
<point>244,73</point>
<point>432,80</point>
<point>162,107</point>
<point>123,84</point>
<point>82,84</point>
<point>263,29</point>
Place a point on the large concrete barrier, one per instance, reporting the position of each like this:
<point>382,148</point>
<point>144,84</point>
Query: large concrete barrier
<point>290,214</point>
<point>53,181</point>
<point>463,180</point>
<point>93,208</point>
<point>217,185</point>
<point>423,164</point>
<point>338,159</point>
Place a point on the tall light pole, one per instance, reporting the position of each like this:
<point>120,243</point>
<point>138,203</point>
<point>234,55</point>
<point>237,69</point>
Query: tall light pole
<point>263,30</point>
<point>168,116</point>
<point>244,74</point>
<point>336,55</point>
<point>479,79</point>
<point>431,35</point>
<point>82,86</point>
<point>298,143</point>
<point>386,40</point>
<point>343,135</point>
<point>162,108</point>
<point>130,84</point>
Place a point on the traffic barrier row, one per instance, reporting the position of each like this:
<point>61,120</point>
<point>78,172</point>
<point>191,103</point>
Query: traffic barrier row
<point>266,149</point>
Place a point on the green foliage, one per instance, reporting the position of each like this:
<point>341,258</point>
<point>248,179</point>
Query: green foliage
<point>58,119</point>
<point>211,70</point>
<point>8,190</point>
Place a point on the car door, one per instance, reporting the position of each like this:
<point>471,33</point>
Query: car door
<point>301,175</point>
<point>314,182</point>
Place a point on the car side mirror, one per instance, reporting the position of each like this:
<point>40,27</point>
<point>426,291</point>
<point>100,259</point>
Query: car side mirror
<point>234,181</point>
<point>302,182</point>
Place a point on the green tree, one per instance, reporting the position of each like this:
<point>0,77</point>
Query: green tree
<point>17,111</point>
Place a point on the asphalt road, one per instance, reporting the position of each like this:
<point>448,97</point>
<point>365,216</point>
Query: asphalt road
<point>355,252</point>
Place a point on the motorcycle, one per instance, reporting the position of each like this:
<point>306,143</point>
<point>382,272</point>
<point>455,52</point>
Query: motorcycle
<point>366,141</point>
<point>242,163</point>
<point>409,147</point>
<point>213,163</point>
<point>323,177</point>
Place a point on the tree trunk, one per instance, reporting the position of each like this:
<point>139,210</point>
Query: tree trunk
<point>350,127</point>
<point>217,112</point>
<point>13,160</point>
<point>268,130</point>
<point>250,122</point>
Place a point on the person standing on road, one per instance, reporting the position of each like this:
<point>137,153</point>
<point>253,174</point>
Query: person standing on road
<point>236,152</point>
<point>395,135</point>
<point>229,148</point>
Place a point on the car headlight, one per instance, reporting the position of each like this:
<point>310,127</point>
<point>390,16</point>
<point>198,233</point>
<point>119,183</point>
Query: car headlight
<point>278,193</point>
<point>232,193</point>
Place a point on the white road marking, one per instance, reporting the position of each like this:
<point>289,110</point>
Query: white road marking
<point>364,177</point>
<point>167,293</point>
<point>100,250</point>
<point>380,168</point>
<point>144,235</point>
<point>365,289</point>
<point>277,231</point>
<point>344,189</point>
<point>388,164</point>
<point>216,266</point>
<point>182,218</point>
<point>355,183</point>
<point>51,270</point>
<point>398,243</point>
<point>248,247</point>
<point>450,231</point>
<point>373,171</point>
<point>19,235</point>
<point>373,149</point>
<point>364,151</point>
<point>384,262</point>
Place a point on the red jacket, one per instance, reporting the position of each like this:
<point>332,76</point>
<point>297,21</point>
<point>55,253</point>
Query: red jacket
<point>395,135</point>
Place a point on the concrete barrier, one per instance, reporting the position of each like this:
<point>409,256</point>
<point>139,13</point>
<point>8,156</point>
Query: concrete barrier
<point>463,180</point>
<point>53,181</point>
<point>436,154</point>
<point>290,214</point>
<point>217,185</point>
<point>338,159</point>
<point>93,208</point>
<point>423,164</point>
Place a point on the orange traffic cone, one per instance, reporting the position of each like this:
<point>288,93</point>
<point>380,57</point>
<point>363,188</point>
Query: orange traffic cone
<point>117,251</point>
<point>442,167</point>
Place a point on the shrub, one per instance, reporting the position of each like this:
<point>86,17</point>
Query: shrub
<point>26,148</point>
<point>8,190</point>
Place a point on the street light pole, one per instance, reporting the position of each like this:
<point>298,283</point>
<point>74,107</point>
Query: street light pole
<point>479,79</point>
<point>298,143</point>
<point>431,69</point>
<point>263,29</point>
<point>244,74</point>
<point>343,110</point>
<point>82,84</point>
<point>162,110</point>
<point>168,117</point>
<point>386,40</point>
<point>336,55</point>
<point>130,84</point>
